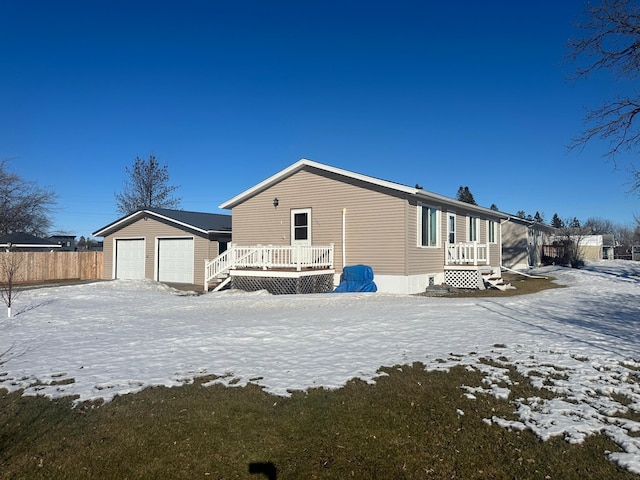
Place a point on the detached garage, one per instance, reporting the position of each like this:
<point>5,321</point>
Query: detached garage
<point>165,245</point>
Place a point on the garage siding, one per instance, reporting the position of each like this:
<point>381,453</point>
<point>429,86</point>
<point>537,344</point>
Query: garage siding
<point>151,230</point>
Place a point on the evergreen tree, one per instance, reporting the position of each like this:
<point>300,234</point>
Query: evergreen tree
<point>465,195</point>
<point>538,218</point>
<point>146,187</point>
<point>556,221</point>
<point>494,207</point>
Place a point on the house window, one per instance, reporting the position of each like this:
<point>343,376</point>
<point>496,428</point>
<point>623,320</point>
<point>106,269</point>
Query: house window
<point>428,226</point>
<point>451,228</point>
<point>491,231</point>
<point>301,226</point>
<point>473,229</point>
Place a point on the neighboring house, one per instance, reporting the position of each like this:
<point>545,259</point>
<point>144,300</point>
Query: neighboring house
<point>596,247</point>
<point>67,242</point>
<point>522,242</point>
<point>608,247</point>
<point>24,242</point>
<point>592,247</point>
<point>164,245</point>
<point>314,216</point>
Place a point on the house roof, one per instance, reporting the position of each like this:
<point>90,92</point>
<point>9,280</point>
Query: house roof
<point>198,221</point>
<point>306,163</point>
<point>25,240</point>
<point>531,223</point>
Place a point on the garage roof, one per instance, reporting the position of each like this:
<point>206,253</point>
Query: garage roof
<point>199,221</point>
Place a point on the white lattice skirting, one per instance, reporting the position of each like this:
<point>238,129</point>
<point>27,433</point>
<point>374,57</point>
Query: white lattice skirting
<point>322,283</point>
<point>463,278</point>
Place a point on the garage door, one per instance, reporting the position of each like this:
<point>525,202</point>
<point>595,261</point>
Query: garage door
<point>175,260</point>
<point>130,258</point>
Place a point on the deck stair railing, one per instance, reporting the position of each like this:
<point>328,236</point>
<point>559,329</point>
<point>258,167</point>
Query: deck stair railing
<point>267,257</point>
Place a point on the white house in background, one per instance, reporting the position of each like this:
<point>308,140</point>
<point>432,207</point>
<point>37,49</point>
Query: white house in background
<point>597,247</point>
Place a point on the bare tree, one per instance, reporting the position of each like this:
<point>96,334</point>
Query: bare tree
<point>146,187</point>
<point>599,226</point>
<point>627,235</point>
<point>24,206</point>
<point>10,263</point>
<point>570,236</point>
<point>611,42</point>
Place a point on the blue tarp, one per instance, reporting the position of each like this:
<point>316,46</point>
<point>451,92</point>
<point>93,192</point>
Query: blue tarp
<point>357,278</point>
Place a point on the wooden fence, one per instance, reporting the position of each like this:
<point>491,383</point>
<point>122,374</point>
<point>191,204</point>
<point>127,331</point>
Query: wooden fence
<point>35,267</point>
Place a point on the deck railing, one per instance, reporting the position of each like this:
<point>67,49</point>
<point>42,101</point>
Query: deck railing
<point>269,256</point>
<point>471,253</point>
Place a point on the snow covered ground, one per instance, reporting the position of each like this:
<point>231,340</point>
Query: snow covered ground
<point>582,342</point>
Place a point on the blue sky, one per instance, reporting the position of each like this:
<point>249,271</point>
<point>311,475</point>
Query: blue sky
<point>228,93</point>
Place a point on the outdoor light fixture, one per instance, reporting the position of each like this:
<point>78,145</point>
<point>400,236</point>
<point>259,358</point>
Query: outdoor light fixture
<point>276,202</point>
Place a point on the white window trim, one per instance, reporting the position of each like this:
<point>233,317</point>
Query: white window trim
<point>308,240</point>
<point>449,232</point>
<point>476,221</point>
<point>419,223</point>
<point>489,230</point>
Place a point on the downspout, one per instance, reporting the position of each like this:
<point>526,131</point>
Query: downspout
<point>344,237</point>
<point>500,249</point>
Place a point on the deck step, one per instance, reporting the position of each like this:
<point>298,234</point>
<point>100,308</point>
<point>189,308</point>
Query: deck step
<point>496,282</point>
<point>222,284</point>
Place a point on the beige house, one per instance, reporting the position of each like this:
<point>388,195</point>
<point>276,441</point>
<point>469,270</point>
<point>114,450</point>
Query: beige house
<point>164,245</point>
<point>522,242</point>
<point>312,217</point>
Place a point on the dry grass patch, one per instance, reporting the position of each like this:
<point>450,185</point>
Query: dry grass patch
<point>408,425</point>
<point>524,286</point>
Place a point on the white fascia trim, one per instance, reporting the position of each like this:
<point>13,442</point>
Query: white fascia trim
<point>114,226</point>
<point>420,193</point>
<point>279,274</point>
<point>457,203</point>
<point>320,166</point>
